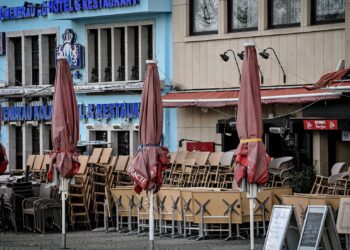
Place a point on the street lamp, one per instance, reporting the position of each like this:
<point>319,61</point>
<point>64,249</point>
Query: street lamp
<point>225,58</point>
<point>266,55</point>
<point>241,56</point>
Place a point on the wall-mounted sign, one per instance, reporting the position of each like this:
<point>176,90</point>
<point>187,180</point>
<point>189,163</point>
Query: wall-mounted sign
<point>72,51</point>
<point>2,43</point>
<point>60,6</point>
<point>90,111</point>
<point>320,124</point>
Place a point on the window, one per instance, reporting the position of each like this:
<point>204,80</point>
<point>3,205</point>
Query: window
<point>284,13</point>
<point>123,143</point>
<point>35,60</point>
<point>52,58</point>
<point>17,44</point>
<point>122,54</point>
<point>35,140</point>
<point>243,15</point>
<point>204,16</point>
<point>19,148</point>
<point>328,11</point>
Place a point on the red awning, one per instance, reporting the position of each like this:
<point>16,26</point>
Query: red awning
<point>222,98</point>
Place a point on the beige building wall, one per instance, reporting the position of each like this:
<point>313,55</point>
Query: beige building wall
<point>306,53</point>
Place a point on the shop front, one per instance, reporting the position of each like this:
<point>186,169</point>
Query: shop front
<point>106,44</point>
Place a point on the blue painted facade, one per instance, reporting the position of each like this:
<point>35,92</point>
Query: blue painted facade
<point>158,11</point>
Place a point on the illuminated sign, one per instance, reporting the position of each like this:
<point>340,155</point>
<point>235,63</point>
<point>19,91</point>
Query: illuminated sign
<point>90,111</point>
<point>60,6</point>
<point>71,50</point>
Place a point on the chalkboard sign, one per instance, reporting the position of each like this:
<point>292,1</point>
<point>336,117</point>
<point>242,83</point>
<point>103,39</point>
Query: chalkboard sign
<point>311,229</point>
<point>283,229</point>
<point>319,229</point>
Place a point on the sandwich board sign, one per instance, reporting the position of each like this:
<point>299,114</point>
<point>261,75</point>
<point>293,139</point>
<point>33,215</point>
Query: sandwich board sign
<point>283,229</point>
<point>319,229</point>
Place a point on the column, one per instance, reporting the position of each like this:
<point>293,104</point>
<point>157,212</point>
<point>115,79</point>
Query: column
<point>263,20</point>
<point>347,33</point>
<point>305,17</point>
<point>320,152</point>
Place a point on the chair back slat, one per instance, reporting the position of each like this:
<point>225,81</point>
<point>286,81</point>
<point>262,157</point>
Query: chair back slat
<point>227,158</point>
<point>122,163</point>
<point>180,157</point>
<point>214,158</point>
<point>202,158</point>
<point>83,160</point>
<point>106,154</point>
<point>191,155</point>
<point>38,162</point>
<point>46,162</point>
<point>95,156</point>
<point>172,157</point>
<point>30,161</point>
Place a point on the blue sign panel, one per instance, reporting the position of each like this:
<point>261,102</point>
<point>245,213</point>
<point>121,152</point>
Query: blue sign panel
<point>91,111</point>
<point>29,10</point>
<point>71,50</point>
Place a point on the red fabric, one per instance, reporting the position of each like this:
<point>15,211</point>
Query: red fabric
<point>65,123</point>
<point>151,159</point>
<point>251,160</point>
<point>329,78</point>
<point>3,159</point>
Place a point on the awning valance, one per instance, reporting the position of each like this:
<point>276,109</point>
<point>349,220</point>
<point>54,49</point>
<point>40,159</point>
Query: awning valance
<point>222,98</point>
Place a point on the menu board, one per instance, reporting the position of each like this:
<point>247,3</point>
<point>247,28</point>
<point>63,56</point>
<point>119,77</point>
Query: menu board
<point>283,228</point>
<point>312,229</point>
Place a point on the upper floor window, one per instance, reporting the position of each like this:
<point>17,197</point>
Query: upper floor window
<point>328,11</point>
<point>17,45</point>
<point>243,15</point>
<point>118,54</point>
<point>27,66</point>
<point>204,16</point>
<point>284,13</point>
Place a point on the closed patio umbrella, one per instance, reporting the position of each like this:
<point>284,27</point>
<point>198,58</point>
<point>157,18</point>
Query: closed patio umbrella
<point>251,160</point>
<point>64,133</point>
<point>151,158</point>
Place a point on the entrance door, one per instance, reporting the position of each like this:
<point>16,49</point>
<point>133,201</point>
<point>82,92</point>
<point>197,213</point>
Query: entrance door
<point>123,142</point>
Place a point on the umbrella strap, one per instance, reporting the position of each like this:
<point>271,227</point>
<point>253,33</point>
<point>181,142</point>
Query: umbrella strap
<point>250,140</point>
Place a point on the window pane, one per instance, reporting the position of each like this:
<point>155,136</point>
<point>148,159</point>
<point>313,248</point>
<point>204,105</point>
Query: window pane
<point>93,55</point>
<point>106,55</point>
<point>123,143</point>
<point>133,53</point>
<point>52,54</point>
<point>119,54</point>
<point>205,15</point>
<point>329,10</point>
<point>244,14</point>
<point>19,148</point>
<point>285,12</point>
<point>35,140</point>
<point>35,60</point>
<point>17,42</point>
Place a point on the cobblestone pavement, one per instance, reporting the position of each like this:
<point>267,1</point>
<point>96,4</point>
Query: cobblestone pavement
<point>100,240</point>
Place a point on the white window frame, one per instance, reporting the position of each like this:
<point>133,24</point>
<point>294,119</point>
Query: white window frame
<point>112,26</point>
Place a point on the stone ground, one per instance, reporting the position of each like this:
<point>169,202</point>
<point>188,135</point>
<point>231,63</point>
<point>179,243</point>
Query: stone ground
<point>112,240</point>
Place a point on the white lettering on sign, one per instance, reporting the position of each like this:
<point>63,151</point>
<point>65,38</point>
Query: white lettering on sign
<point>132,172</point>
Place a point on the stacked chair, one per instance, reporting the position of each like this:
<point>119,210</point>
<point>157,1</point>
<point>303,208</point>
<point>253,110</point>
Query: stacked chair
<point>119,176</point>
<point>280,171</point>
<point>336,182</point>
<point>79,195</point>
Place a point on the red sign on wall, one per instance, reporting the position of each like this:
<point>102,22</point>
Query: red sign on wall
<point>200,146</point>
<point>320,124</point>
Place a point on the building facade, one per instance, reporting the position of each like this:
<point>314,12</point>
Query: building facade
<point>299,41</point>
<point>106,43</point>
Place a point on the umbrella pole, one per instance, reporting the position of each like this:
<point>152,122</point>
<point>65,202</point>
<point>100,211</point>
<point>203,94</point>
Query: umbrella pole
<point>252,195</point>
<point>151,221</point>
<point>64,194</point>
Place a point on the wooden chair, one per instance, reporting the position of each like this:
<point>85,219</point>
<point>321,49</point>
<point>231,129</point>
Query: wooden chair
<point>187,174</point>
<point>120,170</point>
<point>38,162</point>
<point>167,172</point>
<point>213,160</point>
<point>321,183</point>
<point>224,167</point>
<point>176,167</point>
<point>39,174</point>
<point>95,156</point>
<point>105,157</point>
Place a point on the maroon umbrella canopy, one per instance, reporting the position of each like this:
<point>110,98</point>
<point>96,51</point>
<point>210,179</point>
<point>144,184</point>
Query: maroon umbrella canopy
<point>252,160</point>
<point>65,122</point>
<point>151,159</point>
